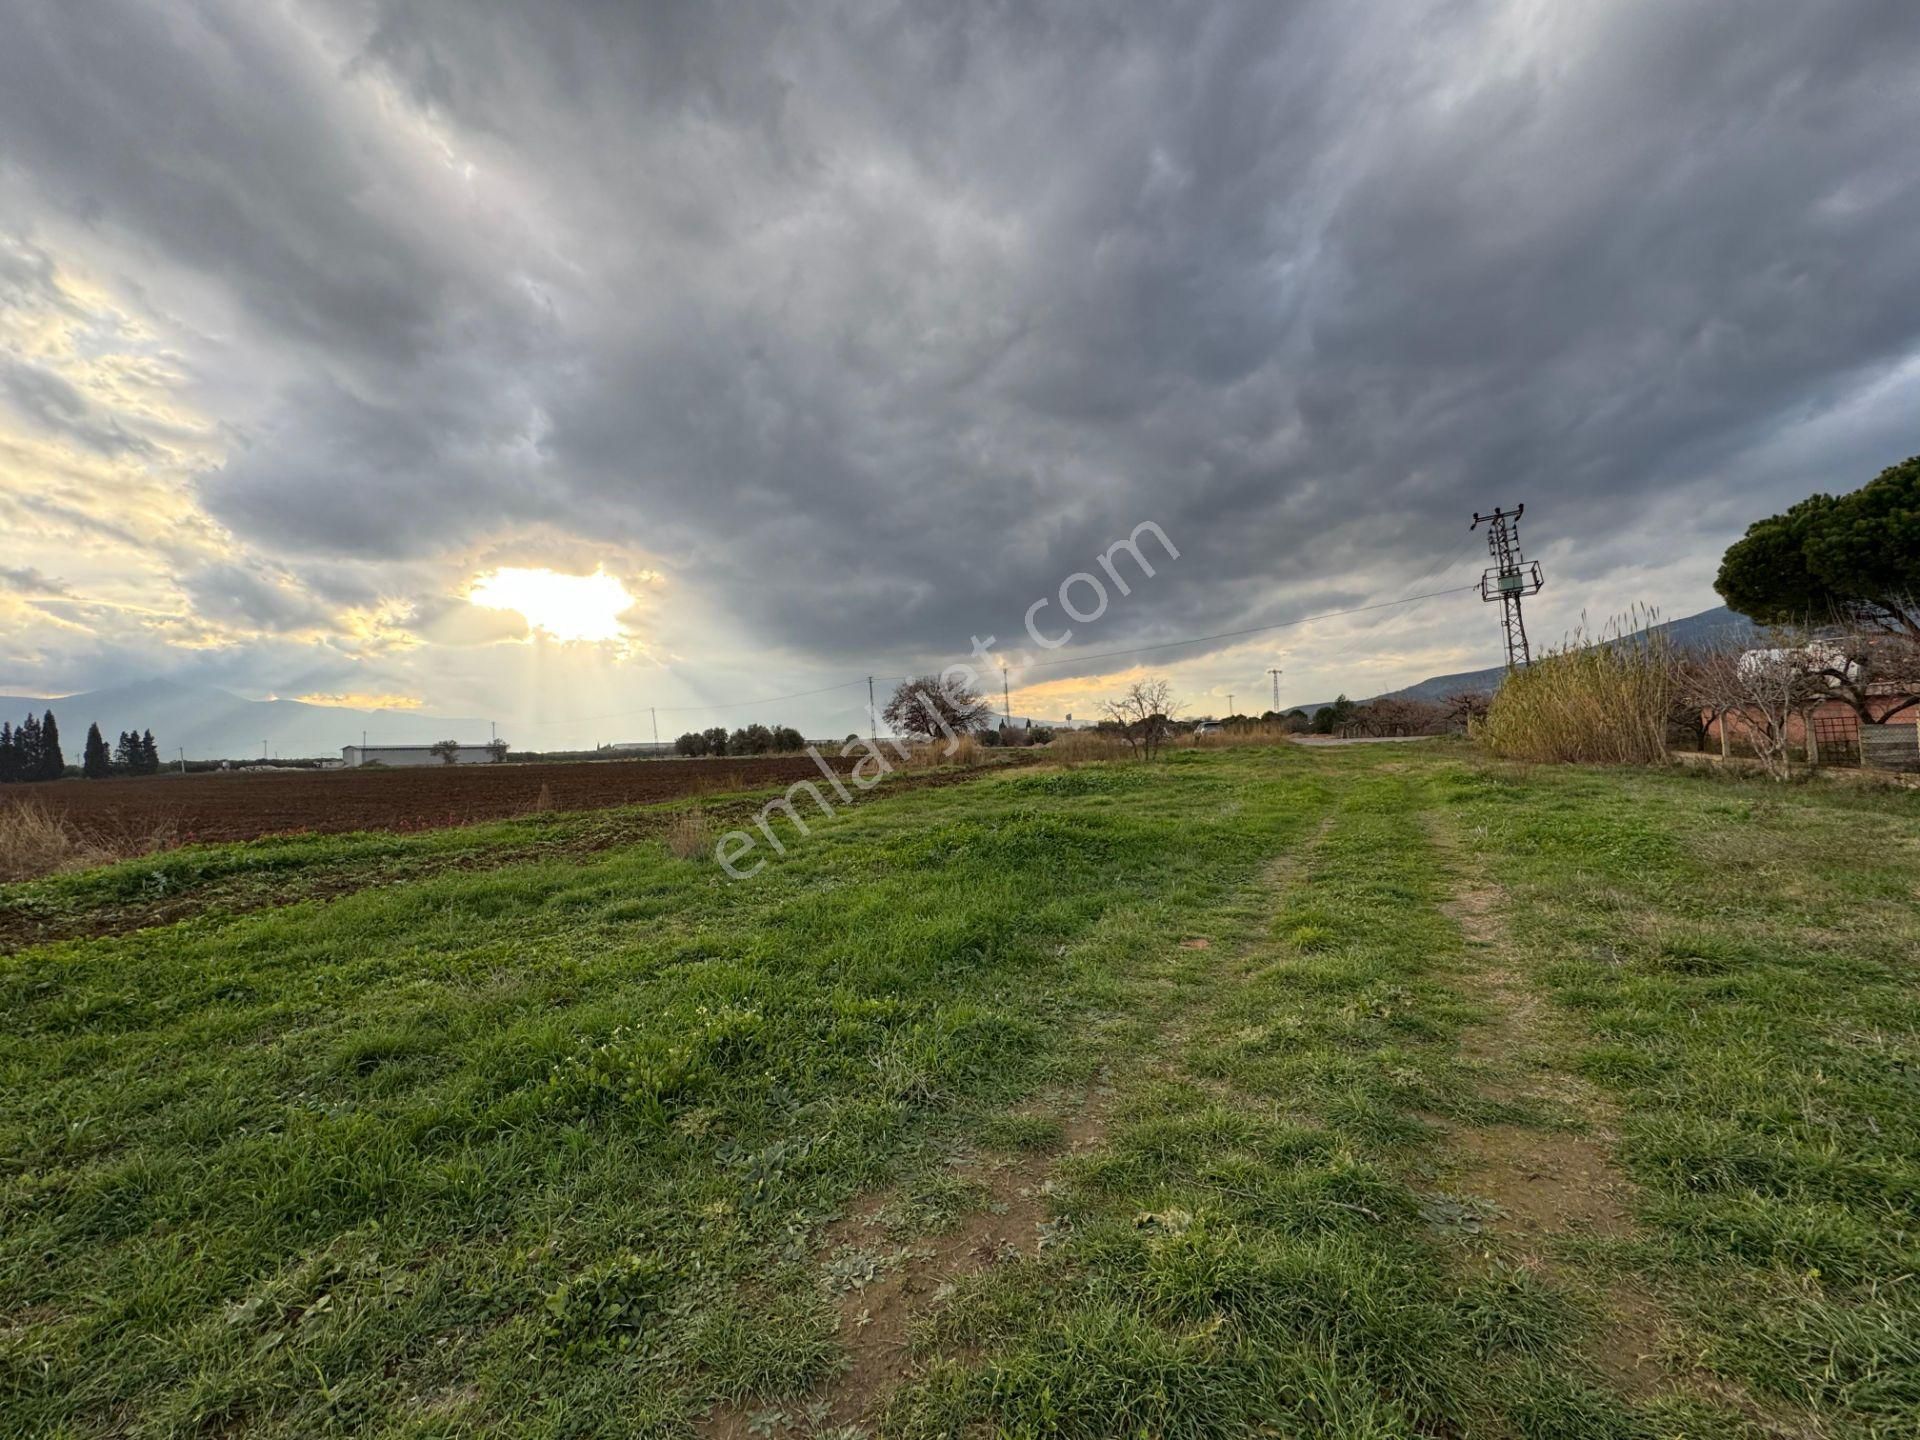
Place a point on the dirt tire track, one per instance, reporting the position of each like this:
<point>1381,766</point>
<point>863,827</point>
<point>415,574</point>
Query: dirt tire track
<point>875,1319</point>
<point>1545,1184</point>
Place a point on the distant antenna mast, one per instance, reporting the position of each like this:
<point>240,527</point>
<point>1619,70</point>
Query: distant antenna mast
<point>1509,577</point>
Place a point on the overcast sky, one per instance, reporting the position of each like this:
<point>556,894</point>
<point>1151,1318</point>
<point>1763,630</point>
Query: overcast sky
<point>839,334</point>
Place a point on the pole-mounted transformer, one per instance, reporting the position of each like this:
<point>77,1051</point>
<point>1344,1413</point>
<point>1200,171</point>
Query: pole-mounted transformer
<point>1509,577</point>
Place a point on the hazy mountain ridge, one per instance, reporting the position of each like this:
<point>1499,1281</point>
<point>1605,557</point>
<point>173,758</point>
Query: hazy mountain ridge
<point>1689,632</point>
<point>211,723</point>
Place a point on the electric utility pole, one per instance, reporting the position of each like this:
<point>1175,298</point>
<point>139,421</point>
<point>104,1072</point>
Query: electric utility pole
<point>873,715</point>
<point>656,726</point>
<point>1510,577</point>
<point>1275,673</point>
<point>1006,699</point>
<point>1229,705</point>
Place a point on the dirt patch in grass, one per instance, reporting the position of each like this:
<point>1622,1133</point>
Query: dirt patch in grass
<point>882,1287</point>
<point>1545,1183</point>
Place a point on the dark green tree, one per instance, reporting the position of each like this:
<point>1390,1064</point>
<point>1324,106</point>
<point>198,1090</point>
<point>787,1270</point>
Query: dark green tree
<point>691,743</point>
<point>1854,557</point>
<point>126,753</point>
<point>52,764</point>
<point>716,739</point>
<point>754,739</point>
<point>26,747</point>
<point>149,754</point>
<point>1329,718</point>
<point>96,763</point>
<point>9,759</point>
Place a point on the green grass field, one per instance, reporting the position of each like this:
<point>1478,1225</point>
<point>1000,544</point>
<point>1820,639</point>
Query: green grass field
<point>1378,1092</point>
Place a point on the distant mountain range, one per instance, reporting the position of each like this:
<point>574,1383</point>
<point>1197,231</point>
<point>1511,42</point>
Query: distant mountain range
<point>1690,632</point>
<point>215,724</point>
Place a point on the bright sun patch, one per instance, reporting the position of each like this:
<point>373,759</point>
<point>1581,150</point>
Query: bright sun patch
<point>566,607</point>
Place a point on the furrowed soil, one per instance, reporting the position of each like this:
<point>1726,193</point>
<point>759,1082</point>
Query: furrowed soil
<point>245,805</point>
<point>1373,1092</point>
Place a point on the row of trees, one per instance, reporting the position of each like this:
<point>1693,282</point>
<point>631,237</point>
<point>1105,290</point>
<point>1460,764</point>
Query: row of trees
<point>31,751</point>
<point>134,754</point>
<point>748,740</point>
<point>1393,715</point>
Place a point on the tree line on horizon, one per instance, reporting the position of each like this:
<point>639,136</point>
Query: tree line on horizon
<point>748,740</point>
<point>31,751</point>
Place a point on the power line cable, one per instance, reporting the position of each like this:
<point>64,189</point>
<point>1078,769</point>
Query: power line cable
<point>1250,630</point>
<point>716,705</point>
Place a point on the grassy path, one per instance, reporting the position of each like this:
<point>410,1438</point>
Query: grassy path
<point>1369,1093</point>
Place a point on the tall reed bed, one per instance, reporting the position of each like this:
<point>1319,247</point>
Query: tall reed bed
<point>1600,700</point>
<point>36,841</point>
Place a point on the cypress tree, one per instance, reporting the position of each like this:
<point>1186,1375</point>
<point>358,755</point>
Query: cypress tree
<point>96,763</point>
<point>9,764</point>
<point>149,755</point>
<point>52,763</point>
<point>26,744</point>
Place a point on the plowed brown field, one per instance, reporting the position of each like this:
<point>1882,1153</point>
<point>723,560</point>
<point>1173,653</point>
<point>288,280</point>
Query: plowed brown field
<point>249,804</point>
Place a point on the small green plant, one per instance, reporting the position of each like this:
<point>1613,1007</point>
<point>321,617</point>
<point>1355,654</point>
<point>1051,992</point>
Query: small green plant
<point>609,1308</point>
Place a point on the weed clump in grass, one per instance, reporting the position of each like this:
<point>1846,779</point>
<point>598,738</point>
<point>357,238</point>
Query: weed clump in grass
<point>689,836</point>
<point>1603,701</point>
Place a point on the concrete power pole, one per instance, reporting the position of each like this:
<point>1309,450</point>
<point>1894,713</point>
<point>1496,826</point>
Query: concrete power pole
<point>656,726</point>
<point>1229,704</point>
<point>1510,577</point>
<point>1006,699</point>
<point>873,715</point>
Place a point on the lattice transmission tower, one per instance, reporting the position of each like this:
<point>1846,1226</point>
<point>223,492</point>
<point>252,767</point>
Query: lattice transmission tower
<point>1510,577</point>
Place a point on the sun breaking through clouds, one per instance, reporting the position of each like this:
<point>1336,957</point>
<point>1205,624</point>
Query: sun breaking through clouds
<point>565,607</point>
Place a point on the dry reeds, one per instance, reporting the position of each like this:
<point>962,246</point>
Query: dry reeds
<point>1599,701</point>
<point>35,842</point>
<point>1078,747</point>
<point>1241,735</point>
<point>963,751</point>
<point>689,836</point>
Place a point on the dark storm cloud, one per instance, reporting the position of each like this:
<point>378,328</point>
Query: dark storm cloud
<point>876,322</point>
